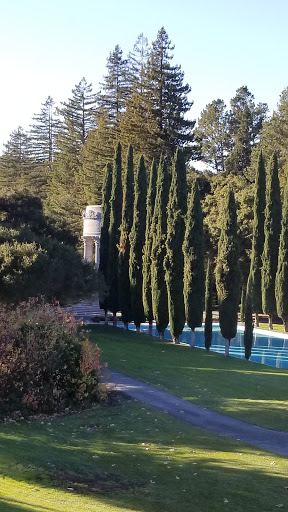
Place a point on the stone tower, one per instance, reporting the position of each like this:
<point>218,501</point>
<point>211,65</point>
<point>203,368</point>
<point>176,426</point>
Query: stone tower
<point>91,233</point>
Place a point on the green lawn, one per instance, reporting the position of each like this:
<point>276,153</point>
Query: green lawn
<point>248,391</point>
<point>127,457</point>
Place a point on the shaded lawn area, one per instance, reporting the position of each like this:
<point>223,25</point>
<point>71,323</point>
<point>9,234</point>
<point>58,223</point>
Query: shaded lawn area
<point>127,457</point>
<point>248,391</point>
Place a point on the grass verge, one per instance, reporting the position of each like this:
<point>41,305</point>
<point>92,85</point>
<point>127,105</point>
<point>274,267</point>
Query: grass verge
<point>247,391</point>
<point>126,457</point>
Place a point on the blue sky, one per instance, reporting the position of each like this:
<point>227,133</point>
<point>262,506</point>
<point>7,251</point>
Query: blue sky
<point>46,47</point>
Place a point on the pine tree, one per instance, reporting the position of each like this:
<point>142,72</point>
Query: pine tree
<point>114,234</point>
<point>137,64</point>
<point>228,272</point>
<point>194,273</point>
<point>272,228</point>
<point>137,240</point>
<point>169,97</point>
<point>208,307</point>
<point>104,242</point>
<point>114,90</point>
<point>78,118</point>
<point>97,151</point>
<point>124,244</point>
<point>159,234</point>
<point>44,132</point>
<point>248,331</point>
<point>174,260</point>
<point>240,157</point>
<point>19,171</point>
<point>281,283</point>
<point>79,111</point>
<point>212,134</point>
<point>254,280</point>
<point>147,252</point>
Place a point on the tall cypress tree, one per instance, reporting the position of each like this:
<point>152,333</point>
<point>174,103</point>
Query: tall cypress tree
<point>254,280</point>
<point>228,272</point>
<point>248,331</point>
<point>104,241</point>
<point>208,307</point>
<point>137,240</point>
<point>124,245</point>
<point>147,292</point>
<point>174,260</point>
<point>114,234</point>
<point>242,304</point>
<point>159,232</point>
<point>272,228</point>
<point>281,284</point>
<point>194,273</point>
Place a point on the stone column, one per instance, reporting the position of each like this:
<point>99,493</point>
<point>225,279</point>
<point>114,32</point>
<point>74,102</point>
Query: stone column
<point>97,252</point>
<point>88,248</point>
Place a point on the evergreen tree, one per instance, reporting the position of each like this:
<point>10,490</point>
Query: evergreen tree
<point>159,234</point>
<point>137,240</point>
<point>79,111</point>
<point>212,134</point>
<point>272,228</point>
<point>174,260</point>
<point>208,307</point>
<point>242,304</point>
<point>44,132</point>
<point>19,171</point>
<point>281,284</point>
<point>137,64</point>
<point>97,151</point>
<point>114,90</point>
<point>104,242</point>
<point>169,97</point>
<point>124,244</point>
<point>147,256</point>
<point>254,280</point>
<point>240,157</point>
<point>78,118</point>
<point>248,331</point>
<point>114,234</point>
<point>228,272</point>
<point>194,273</point>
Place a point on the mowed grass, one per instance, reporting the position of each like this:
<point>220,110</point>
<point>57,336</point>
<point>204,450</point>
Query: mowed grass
<point>248,391</point>
<point>127,457</point>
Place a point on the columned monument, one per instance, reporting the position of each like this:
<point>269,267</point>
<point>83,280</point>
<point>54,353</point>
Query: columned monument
<point>91,233</point>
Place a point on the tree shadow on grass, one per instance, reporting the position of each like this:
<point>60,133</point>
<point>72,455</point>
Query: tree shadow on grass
<point>131,457</point>
<point>14,505</point>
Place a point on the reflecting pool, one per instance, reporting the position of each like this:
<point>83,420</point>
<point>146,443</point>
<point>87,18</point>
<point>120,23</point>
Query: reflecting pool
<point>268,348</point>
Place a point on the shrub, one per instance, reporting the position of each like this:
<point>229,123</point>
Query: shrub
<point>46,364</point>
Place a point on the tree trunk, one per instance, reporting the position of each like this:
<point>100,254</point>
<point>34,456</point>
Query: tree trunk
<point>150,328</point>
<point>106,318</point>
<point>126,326</point>
<point>227,346</point>
<point>138,329</point>
<point>256,320</point>
<point>270,323</point>
<point>285,323</point>
<point>192,342</point>
<point>161,335</point>
<point>175,340</point>
<point>114,320</point>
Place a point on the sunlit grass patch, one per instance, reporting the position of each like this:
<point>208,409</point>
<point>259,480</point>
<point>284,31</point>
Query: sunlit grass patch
<point>248,391</point>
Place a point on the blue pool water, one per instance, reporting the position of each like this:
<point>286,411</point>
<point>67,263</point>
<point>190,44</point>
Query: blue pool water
<point>269,349</point>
